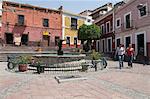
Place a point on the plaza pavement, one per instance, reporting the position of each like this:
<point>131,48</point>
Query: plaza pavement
<point>111,83</point>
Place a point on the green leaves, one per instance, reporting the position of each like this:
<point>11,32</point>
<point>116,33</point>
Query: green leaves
<point>95,55</point>
<point>23,59</point>
<point>89,32</point>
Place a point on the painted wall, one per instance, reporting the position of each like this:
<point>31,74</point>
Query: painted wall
<point>139,24</point>
<point>33,22</point>
<point>68,31</point>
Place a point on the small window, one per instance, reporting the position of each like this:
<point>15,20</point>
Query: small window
<point>46,22</point>
<point>68,41</point>
<point>102,29</point>
<point>118,23</point>
<point>73,23</point>
<point>108,27</point>
<point>143,11</point>
<point>128,21</point>
<point>21,19</point>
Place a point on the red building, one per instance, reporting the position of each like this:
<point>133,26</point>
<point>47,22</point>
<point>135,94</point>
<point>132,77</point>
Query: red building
<point>107,41</point>
<point>30,23</point>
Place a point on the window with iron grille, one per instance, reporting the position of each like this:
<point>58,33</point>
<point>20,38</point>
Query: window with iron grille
<point>46,22</point>
<point>143,11</point>
<point>128,21</point>
<point>20,19</point>
<point>73,23</point>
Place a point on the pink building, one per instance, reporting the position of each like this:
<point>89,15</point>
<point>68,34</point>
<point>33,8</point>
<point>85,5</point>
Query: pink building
<point>33,24</point>
<point>132,25</point>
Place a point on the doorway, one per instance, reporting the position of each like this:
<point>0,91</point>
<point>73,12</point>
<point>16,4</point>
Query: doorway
<point>46,40</point>
<point>24,39</point>
<point>127,41</point>
<point>9,38</point>
<point>140,44</point>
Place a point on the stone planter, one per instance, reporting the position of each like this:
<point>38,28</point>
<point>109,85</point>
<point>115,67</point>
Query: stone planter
<point>22,67</point>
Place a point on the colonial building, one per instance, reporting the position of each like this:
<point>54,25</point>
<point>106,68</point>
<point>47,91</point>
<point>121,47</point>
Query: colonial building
<point>87,14</point>
<point>98,12</point>
<point>132,25</point>
<point>70,25</point>
<point>107,40</point>
<point>30,23</point>
<point>103,17</point>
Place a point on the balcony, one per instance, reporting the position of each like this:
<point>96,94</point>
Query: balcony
<point>21,23</point>
<point>126,27</point>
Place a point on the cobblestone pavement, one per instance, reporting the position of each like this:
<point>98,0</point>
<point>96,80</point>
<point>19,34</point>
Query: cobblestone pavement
<point>111,83</point>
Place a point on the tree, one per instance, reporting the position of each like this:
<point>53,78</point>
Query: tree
<point>89,33</point>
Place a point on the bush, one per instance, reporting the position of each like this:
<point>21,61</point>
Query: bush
<point>95,55</point>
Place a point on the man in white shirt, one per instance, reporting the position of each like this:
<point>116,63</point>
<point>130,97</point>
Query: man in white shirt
<point>120,51</point>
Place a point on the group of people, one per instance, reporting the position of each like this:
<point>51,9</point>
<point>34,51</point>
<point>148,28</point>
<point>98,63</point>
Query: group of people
<point>121,52</point>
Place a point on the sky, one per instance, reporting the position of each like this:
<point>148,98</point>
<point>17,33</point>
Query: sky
<point>75,6</point>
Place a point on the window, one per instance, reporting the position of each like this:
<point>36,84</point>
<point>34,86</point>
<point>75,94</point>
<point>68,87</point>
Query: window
<point>103,43</point>
<point>75,41</point>
<point>109,44</point>
<point>21,19</point>
<point>56,40</point>
<point>46,22</point>
<point>108,27</point>
<point>68,41</point>
<point>128,21</point>
<point>102,29</point>
<point>143,11</point>
<point>118,23</point>
<point>73,23</point>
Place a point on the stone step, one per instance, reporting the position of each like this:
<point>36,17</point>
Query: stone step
<point>3,58</point>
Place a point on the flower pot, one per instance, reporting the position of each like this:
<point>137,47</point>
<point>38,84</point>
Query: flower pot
<point>22,67</point>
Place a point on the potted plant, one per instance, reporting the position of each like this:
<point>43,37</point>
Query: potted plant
<point>22,63</point>
<point>95,56</point>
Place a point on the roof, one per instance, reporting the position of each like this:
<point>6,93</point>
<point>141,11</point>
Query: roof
<point>101,8</point>
<point>28,6</point>
<point>104,16</point>
<point>86,11</point>
<point>73,14</point>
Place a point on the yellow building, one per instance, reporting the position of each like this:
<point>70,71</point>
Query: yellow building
<point>70,25</point>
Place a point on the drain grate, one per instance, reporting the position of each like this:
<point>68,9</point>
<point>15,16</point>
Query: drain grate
<point>69,78</point>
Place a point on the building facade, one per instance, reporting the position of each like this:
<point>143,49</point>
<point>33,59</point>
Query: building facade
<point>107,39</point>
<point>30,23</point>
<point>70,25</point>
<point>132,25</point>
<point>89,20</point>
<point>103,17</point>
